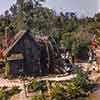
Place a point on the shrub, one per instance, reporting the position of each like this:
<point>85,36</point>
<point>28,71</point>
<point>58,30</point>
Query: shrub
<point>78,85</point>
<point>82,79</point>
<point>39,97</point>
<point>13,91</point>
<point>73,89</point>
<point>35,86</point>
<point>57,92</point>
<point>3,95</point>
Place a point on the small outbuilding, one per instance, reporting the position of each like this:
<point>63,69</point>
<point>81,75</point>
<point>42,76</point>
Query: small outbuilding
<point>30,56</point>
<point>24,55</point>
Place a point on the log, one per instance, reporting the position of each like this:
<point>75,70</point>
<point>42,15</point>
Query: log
<point>58,79</point>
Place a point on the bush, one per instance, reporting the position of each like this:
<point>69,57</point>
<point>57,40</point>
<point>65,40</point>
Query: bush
<point>39,97</point>
<point>82,79</point>
<point>73,89</point>
<point>13,91</point>
<point>3,95</point>
<point>35,86</point>
<point>78,85</point>
<point>57,92</point>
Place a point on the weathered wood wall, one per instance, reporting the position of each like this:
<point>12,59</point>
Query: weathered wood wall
<point>34,61</point>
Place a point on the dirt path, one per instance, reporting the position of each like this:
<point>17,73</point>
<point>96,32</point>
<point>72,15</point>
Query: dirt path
<point>21,95</point>
<point>95,95</point>
<point>10,83</point>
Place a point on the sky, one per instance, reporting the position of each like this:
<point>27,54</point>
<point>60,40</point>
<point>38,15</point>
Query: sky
<point>81,7</point>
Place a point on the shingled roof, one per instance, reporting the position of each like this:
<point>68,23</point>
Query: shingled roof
<point>16,38</point>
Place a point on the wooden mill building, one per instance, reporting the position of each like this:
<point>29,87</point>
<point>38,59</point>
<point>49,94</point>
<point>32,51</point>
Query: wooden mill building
<point>30,56</point>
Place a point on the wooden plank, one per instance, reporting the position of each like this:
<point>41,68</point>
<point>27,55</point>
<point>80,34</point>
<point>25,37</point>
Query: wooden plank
<point>63,78</point>
<point>16,57</point>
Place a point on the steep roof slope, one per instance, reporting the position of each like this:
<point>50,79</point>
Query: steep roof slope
<point>16,38</point>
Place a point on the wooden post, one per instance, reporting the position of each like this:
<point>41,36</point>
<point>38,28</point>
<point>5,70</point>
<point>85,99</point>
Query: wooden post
<point>24,87</point>
<point>40,70</point>
<point>49,90</point>
<point>47,49</point>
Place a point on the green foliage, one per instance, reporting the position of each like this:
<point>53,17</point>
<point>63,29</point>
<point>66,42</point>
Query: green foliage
<point>79,85</point>
<point>5,93</point>
<point>1,33</point>
<point>76,42</point>
<point>13,91</point>
<point>83,47</point>
<point>72,25</point>
<point>73,89</point>
<point>56,37</point>
<point>82,79</point>
<point>2,94</point>
<point>67,40</point>
<point>39,97</point>
<point>57,92</point>
<point>36,86</point>
<point>6,70</point>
